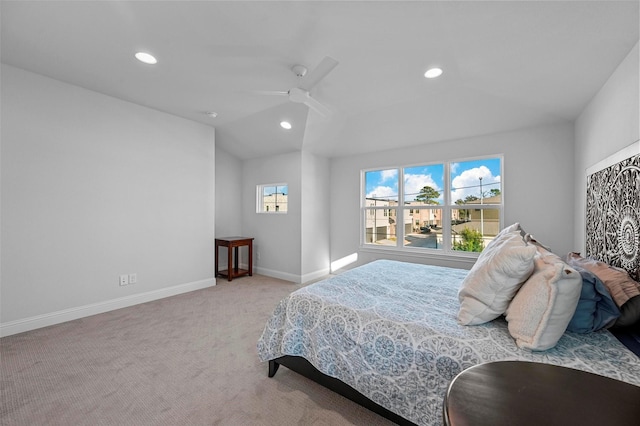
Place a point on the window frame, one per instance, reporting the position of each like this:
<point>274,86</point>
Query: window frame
<point>260,198</point>
<point>447,207</point>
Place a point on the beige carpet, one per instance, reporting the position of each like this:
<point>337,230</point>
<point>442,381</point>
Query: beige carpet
<point>185,360</point>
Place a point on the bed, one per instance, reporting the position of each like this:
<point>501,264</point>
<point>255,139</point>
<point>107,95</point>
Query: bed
<point>392,335</point>
<point>388,330</point>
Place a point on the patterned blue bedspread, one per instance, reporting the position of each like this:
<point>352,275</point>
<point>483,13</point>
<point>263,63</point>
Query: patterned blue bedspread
<point>388,329</point>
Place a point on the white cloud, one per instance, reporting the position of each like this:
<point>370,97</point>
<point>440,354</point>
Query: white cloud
<point>468,183</point>
<point>383,192</point>
<point>386,175</point>
<point>414,183</point>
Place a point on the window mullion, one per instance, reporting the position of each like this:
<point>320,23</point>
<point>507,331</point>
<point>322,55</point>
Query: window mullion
<point>446,209</point>
<point>400,210</point>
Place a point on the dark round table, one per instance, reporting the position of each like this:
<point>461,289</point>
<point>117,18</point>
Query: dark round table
<point>519,393</point>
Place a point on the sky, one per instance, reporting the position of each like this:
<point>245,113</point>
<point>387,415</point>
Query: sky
<point>465,177</point>
<point>270,190</point>
<point>465,180</point>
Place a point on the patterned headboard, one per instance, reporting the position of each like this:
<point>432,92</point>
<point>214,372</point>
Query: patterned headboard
<point>613,211</point>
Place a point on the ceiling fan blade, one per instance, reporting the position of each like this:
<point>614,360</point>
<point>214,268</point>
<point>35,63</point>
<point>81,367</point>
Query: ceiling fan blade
<point>271,92</point>
<point>318,73</point>
<point>317,107</point>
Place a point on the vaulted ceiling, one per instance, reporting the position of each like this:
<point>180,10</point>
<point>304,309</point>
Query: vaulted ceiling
<point>507,64</point>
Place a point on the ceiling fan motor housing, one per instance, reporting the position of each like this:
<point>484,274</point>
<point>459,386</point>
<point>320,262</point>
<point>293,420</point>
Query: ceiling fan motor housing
<point>299,70</point>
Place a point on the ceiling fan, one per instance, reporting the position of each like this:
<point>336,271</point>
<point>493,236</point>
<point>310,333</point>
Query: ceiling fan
<point>308,80</point>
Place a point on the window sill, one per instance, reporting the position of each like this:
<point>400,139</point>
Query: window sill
<point>463,258</point>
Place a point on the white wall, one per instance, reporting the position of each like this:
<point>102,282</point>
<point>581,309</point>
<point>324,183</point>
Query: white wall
<point>277,244</point>
<point>292,246</point>
<point>316,204</point>
<point>610,122</point>
<point>538,185</point>
<point>94,187</point>
<point>228,200</point>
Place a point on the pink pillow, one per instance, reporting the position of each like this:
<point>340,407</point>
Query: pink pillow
<point>540,312</point>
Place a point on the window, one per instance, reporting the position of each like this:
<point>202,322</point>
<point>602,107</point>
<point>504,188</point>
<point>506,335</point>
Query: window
<point>449,207</point>
<point>379,227</point>
<point>272,198</point>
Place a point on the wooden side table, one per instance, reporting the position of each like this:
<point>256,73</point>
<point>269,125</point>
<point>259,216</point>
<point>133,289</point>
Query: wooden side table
<point>232,244</point>
<point>507,393</point>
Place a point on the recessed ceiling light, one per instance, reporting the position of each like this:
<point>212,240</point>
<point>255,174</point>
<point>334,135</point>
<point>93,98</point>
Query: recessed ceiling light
<point>433,73</point>
<point>212,114</point>
<point>285,125</point>
<point>147,58</point>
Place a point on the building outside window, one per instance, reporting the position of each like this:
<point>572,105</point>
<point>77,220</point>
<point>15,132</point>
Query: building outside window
<point>272,198</point>
<point>447,207</point>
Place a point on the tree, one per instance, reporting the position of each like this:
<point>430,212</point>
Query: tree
<point>471,241</point>
<point>494,192</point>
<point>428,195</point>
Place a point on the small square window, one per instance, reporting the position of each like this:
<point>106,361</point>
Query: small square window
<point>272,198</point>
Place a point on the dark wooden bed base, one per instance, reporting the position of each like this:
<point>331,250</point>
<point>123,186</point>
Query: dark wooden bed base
<point>304,367</point>
<point>629,336</point>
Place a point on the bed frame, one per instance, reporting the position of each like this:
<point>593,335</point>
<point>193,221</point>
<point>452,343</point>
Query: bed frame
<point>305,368</point>
<point>611,226</point>
<point>612,222</point>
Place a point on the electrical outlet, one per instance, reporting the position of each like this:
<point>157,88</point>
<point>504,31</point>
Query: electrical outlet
<point>124,279</point>
<point>133,278</point>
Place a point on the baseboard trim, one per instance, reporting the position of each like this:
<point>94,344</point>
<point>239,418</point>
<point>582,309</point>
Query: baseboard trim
<point>316,275</point>
<point>45,320</point>
<point>298,279</point>
<point>277,274</point>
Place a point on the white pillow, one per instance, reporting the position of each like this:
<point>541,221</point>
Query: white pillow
<point>495,278</point>
<point>540,313</point>
<point>508,229</point>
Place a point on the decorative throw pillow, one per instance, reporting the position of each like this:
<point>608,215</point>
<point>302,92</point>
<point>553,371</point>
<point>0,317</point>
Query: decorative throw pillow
<point>515,227</point>
<point>495,278</point>
<point>505,231</point>
<point>596,308</point>
<point>539,313</point>
<point>530,239</point>
<point>623,289</point>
